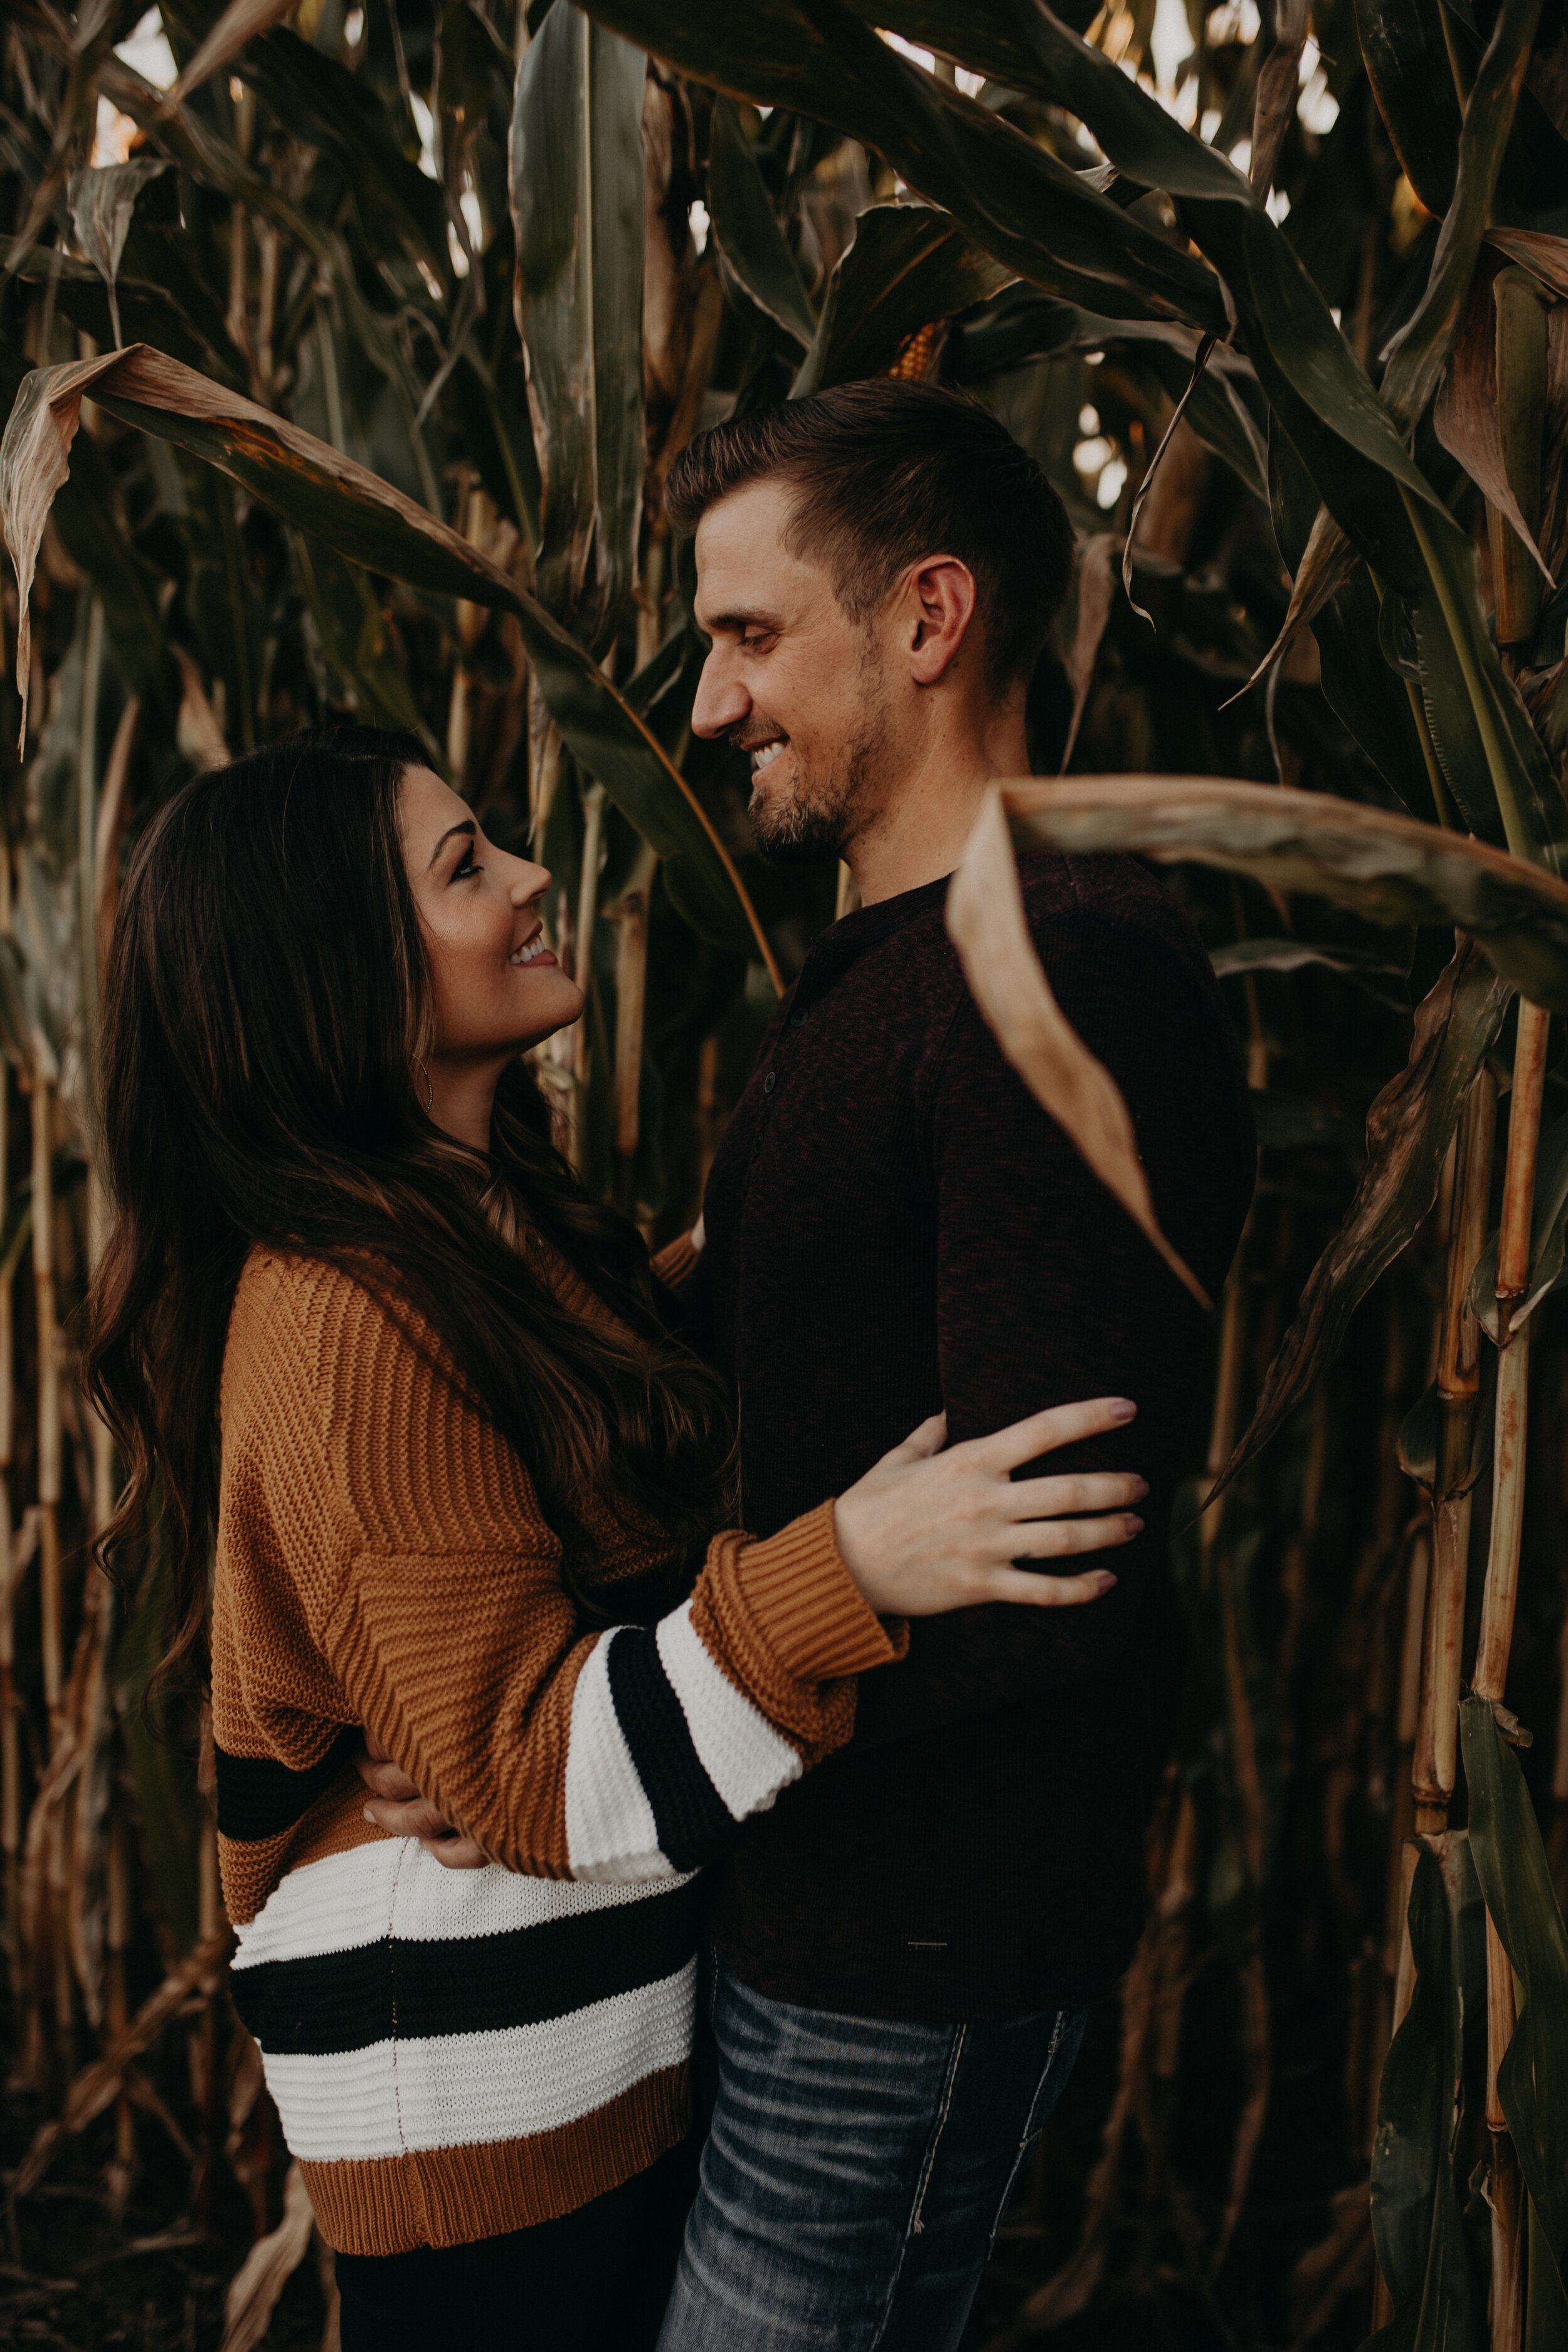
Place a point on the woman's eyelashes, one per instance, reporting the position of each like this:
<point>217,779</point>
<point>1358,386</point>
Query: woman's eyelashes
<point>465,868</point>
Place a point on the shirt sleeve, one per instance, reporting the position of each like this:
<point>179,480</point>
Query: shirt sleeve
<point>621,1752</point>
<point>1047,1293</point>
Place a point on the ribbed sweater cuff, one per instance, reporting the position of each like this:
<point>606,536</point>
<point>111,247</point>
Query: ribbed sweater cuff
<point>801,1596</point>
<point>677,1262</point>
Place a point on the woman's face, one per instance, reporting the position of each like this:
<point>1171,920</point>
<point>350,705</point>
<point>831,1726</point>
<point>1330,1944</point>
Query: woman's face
<point>498,988</point>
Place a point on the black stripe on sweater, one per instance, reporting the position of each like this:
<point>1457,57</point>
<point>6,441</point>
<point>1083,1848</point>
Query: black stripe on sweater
<point>334,2001</point>
<point>691,1818</point>
<point>257,1797</point>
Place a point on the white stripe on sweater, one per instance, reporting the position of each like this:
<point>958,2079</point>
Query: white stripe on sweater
<point>746,1759</point>
<point>393,1887</point>
<point>610,1829</point>
<point>466,2090</point>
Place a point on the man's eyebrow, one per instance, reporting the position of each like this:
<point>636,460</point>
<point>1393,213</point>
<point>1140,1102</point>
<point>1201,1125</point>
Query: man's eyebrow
<point>738,621</point>
<point>467,826</point>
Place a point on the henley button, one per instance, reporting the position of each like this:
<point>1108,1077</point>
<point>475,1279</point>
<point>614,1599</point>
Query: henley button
<point>770,1082</point>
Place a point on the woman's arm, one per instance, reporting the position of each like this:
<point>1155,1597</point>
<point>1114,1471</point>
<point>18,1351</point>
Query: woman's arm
<point>926,1530</point>
<point>676,1263</point>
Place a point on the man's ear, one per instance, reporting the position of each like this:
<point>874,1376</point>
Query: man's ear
<point>941,610</point>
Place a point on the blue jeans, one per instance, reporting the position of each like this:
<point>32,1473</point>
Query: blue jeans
<point>855,2175</point>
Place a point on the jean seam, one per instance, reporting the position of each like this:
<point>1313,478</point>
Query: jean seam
<point>1030,2133</point>
<point>917,2224</point>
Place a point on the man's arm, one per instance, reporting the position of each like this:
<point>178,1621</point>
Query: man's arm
<point>1047,1291</point>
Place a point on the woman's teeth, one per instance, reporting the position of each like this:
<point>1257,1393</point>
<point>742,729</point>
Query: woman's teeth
<point>764,757</point>
<point>535,947</point>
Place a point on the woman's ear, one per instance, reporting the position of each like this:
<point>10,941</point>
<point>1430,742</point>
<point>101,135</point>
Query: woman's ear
<point>942,597</point>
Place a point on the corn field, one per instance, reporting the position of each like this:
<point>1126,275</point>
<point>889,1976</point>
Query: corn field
<point>345,352</point>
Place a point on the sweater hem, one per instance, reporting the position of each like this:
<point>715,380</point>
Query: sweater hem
<point>455,2196</point>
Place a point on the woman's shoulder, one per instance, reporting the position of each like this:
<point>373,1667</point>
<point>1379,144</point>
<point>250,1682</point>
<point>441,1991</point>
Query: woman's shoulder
<point>327,1358</point>
<point>318,1317</point>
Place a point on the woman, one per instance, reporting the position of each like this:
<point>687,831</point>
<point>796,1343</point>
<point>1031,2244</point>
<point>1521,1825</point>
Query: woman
<point>364,1329</point>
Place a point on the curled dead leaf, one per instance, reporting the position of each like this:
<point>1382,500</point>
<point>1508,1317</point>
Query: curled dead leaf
<point>101,203</point>
<point>266,2271</point>
<point>986,921</point>
<point>1096,588</point>
<point>1466,415</point>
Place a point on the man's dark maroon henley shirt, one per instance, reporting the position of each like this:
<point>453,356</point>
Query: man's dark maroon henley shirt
<point>894,1227</point>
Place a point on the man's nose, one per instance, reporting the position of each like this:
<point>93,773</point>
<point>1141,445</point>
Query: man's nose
<point>721,701</point>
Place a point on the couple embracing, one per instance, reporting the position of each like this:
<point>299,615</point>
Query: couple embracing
<point>719,1638</point>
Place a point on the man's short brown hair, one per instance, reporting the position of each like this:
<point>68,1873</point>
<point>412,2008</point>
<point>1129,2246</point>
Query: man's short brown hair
<point>885,473</point>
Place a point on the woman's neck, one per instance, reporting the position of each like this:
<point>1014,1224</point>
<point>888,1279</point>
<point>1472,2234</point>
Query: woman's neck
<point>462,1101</point>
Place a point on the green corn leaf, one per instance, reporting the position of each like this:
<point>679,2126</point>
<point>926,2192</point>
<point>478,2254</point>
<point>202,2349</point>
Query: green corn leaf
<point>316,98</point>
<point>1035,327</point>
<point>211,159</point>
<point>1216,410</point>
<point>1407,65</point>
<point>1423,345</point>
<point>909,265</point>
<point>1351,444</point>
<point>1478,726</point>
<point>313,487</point>
<point>758,268</point>
<point>1374,703</point>
<point>499,440</point>
<point>577,198</point>
<point>1511,1863</point>
<point>984,36</point>
<point>1416,2222</point>
<point>353,637</point>
<point>1294,343</point>
<point>1408,1130</point>
<point>149,314</point>
<point>1016,201</point>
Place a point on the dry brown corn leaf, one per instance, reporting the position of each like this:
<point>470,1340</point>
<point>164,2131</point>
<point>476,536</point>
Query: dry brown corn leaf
<point>986,920</point>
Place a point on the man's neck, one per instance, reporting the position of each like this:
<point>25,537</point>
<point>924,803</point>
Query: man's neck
<point>919,835</point>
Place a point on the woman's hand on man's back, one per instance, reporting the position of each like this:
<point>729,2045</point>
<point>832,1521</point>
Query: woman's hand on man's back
<point>933,1526</point>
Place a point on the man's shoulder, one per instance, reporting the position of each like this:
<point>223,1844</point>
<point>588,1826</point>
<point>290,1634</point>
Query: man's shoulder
<point>1097,895</point>
<point>1108,889</point>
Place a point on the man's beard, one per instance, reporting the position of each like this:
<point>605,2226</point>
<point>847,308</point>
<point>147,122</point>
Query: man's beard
<point>807,828</point>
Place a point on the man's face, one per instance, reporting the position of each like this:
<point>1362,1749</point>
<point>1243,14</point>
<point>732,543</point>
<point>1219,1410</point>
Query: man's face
<point>791,679</point>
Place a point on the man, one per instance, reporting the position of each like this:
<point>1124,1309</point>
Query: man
<point>908,1942</point>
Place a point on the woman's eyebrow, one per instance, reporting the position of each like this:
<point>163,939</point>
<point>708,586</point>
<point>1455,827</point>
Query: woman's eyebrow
<point>467,826</point>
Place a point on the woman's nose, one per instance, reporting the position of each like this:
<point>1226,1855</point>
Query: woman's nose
<point>528,881</point>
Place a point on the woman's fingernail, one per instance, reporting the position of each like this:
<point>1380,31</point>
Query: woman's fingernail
<point>1122,1409</point>
<point>1134,1524</point>
<point>1106,1580</point>
<point>370,1817</point>
<point>1141,1489</point>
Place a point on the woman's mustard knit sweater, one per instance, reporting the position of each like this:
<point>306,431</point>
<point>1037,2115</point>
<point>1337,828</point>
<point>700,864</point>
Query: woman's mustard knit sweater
<point>454,2053</point>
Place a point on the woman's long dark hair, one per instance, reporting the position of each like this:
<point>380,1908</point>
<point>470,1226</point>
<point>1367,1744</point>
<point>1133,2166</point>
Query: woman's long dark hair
<point>266,1002</point>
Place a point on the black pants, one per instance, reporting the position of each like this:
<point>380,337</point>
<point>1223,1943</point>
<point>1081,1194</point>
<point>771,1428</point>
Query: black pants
<point>594,2280</point>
